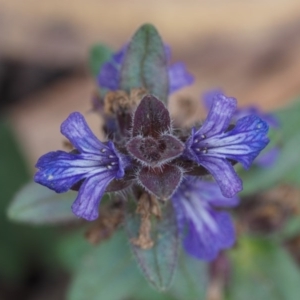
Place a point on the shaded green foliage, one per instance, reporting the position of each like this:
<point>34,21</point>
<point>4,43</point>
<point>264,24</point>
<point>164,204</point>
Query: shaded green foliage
<point>19,244</point>
<point>159,262</point>
<point>99,54</point>
<point>36,204</point>
<point>108,271</point>
<point>264,270</point>
<point>287,168</point>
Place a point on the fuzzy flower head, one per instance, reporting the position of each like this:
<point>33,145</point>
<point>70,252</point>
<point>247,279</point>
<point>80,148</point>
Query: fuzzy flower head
<point>152,156</point>
<point>157,169</point>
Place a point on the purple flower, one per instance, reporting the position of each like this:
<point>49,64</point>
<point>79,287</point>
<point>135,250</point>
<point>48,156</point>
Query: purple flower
<point>109,76</point>
<point>241,112</point>
<point>268,157</point>
<point>214,145</point>
<point>252,110</point>
<point>206,230</point>
<point>93,162</point>
<point>178,77</point>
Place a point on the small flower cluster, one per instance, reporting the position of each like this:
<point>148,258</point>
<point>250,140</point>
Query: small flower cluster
<point>144,152</point>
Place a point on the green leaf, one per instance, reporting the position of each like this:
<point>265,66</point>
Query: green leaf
<point>13,173</point>
<point>263,270</point>
<point>289,119</point>
<point>108,272</point>
<point>287,167</point>
<point>71,248</point>
<point>145,63</point>
<point>36,204</point>
<point>293,176</point>
<point>99,54</point>
<point>104,273</point>
<point>19,243</point>
<point>290,229</point>
<point>259,179</point>
<point>159,262</point>
<point>191,279</point>
<point>146,292</point>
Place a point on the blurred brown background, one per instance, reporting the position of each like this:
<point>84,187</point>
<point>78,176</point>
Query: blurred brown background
<point>248,48</point>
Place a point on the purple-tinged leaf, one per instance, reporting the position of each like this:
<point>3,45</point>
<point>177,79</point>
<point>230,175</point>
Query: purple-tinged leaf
<point>151,118</point>
<point>155,152</point>
<point>147,150</point>
<point>173,147</point>
<point>162,182</point>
